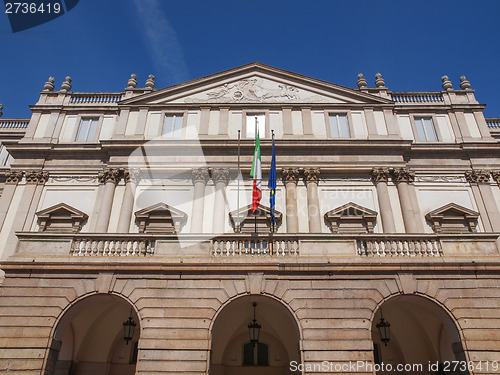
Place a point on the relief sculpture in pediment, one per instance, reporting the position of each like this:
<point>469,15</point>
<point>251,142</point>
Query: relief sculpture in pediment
<point>248,90</point>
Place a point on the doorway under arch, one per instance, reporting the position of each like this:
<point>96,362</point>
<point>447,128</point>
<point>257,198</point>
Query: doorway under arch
<point>89,339</point>
<point>233,353</point>
<point>421,333</point>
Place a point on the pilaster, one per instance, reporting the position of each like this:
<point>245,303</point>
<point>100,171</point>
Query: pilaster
<point>312,179</point>
<point>109,178</point>
<point>380,177</point>
<point>220,177</point>
<point>290,178</point>
<point>200,178</point>
<point>131,177</point>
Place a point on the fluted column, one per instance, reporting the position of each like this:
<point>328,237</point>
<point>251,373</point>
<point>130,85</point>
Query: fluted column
<point>312,179</point>
<point>110,178</point>
<point>403,177</point>
<point>380,177</point>
<point>200,178</point>
<point>220,176</point>
<point>290,178</point>
<point>131,179</point>
<point>483,195</point>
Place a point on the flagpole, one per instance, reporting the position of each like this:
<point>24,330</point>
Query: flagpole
<point>256,131</point>
<point>272,208</point>
<point>238,229</point>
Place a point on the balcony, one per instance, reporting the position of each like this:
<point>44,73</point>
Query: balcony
<point>236,247</point>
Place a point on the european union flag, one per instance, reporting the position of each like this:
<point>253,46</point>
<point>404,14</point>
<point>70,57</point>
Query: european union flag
<point>272,186</point>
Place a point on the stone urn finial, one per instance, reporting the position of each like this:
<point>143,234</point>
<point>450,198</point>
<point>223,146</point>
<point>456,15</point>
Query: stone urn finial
<point>1,107</point>
<point>447,85</point>
<point>49,85</point>
<point>361,81</point>
<point>150,83</point>
<point>379,81</point>
<point>132,82</point>
<point>66,85</point>
<point>464,84</point>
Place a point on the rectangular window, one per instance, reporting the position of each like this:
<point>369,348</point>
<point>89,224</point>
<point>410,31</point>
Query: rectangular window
<point>256,122</point>
<point>339,126</point>
<point>172,126</point>
<point>87,130</point>
<point>425,129</point>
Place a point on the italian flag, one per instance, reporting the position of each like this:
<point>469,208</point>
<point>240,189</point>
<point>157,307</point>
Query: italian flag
<point>256,174</point>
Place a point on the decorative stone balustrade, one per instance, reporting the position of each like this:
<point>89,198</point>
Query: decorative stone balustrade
<point>14,123</point>
<point>113,246</point>
<point>262,246</point>
<point>95,98</point>
<point>493,123</point>
<point>398,246</point>
<point>417,97</point>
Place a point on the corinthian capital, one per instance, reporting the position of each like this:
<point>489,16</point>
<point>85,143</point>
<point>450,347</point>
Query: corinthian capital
<point>496,176</point>
<point>109,175</point>
<point>37,177</point>
<point>200,175</point>
<point>14,177</point>
<point>404,175</point>
<point>477,176</point>
<point>312,175</point>
<point>380,174</point>
<point>290,175</point>
<point>131,175</point>
<point>220,175</point>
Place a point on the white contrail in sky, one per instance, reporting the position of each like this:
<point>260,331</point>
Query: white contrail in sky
<point>162,41</point>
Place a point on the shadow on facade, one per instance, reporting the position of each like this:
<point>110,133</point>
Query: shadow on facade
<point>89,339</point>
<point>233,353</point>
<point>421,333</point>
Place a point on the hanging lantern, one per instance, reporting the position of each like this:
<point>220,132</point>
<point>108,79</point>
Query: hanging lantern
<point>129,328</point>
<point>384,329</point>
<point>254,327</point>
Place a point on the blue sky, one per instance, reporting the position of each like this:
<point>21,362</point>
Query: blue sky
<point>100,43</point>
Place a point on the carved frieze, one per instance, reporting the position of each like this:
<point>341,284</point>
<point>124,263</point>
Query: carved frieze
<point>477,176</point>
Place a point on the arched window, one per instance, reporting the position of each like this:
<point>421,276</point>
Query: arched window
<point>255,354</point>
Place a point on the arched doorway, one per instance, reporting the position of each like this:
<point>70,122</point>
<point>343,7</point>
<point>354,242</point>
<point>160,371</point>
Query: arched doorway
<point>232,351</point>
<point>89,339</point>
<point>421,333</point>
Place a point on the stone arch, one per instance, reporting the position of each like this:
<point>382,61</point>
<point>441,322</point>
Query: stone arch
<point>229,333</point>
<point>88,338</point>
<point>422,329</point>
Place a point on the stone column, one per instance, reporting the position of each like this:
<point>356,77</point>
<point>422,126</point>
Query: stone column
<point>200,178</point>
<point>312,179</point>
<point>380,177</point>
<point>9,189</point>
<point>403,177</point>
<point>220,176</point>
<point>481,189</point>
<point>131,179</point>
<point>290,178</point>
<point>110,178</point>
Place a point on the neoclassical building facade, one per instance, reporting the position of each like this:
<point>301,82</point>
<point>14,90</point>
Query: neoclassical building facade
<point>128,245</point>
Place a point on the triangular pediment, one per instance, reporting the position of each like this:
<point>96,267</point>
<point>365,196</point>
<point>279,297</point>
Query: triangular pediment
<point>161,210</point>
<point>351,209</point>
<point>61,210</point>
<point>452,210</point>
<point>253,84</point>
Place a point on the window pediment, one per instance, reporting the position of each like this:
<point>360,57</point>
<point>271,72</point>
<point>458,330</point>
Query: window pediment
<point>453,218</point>
<point>160,218</point>
<point>248,220</point>
<point>351,218</point>
<point>61,218</point>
